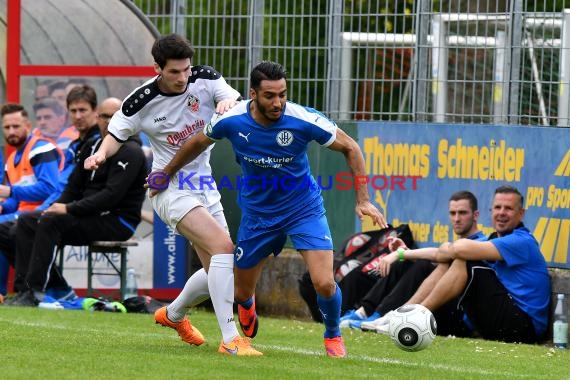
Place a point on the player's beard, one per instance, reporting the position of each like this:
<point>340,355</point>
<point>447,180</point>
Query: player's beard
<point>269,115</point>
<point>465,230</point>
<point>16,141</point>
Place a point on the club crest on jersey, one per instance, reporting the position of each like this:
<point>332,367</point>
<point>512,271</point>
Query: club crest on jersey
<point>284,138</point>
<point>193,103</point>
<point>208,129</point>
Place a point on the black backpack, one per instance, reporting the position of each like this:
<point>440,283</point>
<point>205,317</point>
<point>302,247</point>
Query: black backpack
<point>363,247</point>
<point>142,304</point>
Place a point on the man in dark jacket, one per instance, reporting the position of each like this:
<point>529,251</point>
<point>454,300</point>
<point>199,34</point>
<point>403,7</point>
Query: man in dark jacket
<point>100,205</point>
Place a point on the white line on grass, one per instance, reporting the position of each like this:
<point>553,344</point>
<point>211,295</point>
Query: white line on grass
<point>457,369</point>
<point>300,351</point>
<point>55,326</point>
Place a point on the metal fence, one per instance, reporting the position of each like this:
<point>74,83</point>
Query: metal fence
<point>495,62</point>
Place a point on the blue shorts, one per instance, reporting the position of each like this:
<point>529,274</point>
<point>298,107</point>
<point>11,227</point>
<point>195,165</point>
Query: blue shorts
<point>260,237</point>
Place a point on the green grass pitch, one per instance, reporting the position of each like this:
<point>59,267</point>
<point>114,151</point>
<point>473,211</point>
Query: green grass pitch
<point>69,344</point>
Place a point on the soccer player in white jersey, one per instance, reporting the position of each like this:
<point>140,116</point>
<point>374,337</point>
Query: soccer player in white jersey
<point>171,108</point>
<point>278,196</point>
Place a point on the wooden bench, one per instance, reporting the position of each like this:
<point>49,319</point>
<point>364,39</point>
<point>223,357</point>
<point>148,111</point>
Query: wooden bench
<point>105,248</point>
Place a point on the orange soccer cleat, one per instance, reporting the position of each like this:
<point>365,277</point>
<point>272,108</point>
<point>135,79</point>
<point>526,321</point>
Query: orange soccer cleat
<point>238,347</point>
<point>335,347</point>
<point>184,328</point>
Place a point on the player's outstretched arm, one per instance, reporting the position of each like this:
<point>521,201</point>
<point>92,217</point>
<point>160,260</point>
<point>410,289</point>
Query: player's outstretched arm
<point>108,147</point>
<point>467,249</point>
<point>355,161</point>
<point>386,261</point>
<point>187,153</point>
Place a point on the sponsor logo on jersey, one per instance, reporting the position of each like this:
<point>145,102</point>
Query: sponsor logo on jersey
<point>246,137</point>
<point>193,103</point>
<point>268,162</point>
<point>179,137</point>
<point>159,119</point>
<point>284,138</point>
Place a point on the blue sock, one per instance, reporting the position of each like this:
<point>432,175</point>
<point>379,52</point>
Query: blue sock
<point>330,309</point>
<point>4,267</point>
<point>247,303</point>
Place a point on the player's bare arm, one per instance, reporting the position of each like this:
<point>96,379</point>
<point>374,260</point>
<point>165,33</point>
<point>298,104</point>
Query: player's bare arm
<point>187,153</point>
<point>429,253</point>
<point>467,249</point>
<point>355,161</point>
<point>108,147</point>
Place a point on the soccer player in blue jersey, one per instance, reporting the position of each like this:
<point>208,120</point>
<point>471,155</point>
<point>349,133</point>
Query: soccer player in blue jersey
<point>279,198</point>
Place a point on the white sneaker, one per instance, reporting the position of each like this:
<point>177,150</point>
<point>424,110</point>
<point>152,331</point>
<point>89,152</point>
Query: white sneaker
<point>51,305</point>
<point>379,325</point>
<point>349,316</point>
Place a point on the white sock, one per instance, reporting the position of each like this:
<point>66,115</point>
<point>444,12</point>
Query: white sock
<point>221,285</point>
<point>195,291</point>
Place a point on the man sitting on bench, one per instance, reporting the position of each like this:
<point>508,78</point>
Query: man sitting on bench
<point>95,205</point>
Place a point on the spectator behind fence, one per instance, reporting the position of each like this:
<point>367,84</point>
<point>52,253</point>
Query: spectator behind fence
<point>404,277</point>
<point>57,91</point>
<point>95,205</point>
<point>74,82</point>
<point>502,284</point>
<point>42,90</point>
<point>50,122</point>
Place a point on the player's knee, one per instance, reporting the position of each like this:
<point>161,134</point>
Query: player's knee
<point>222,245</point>
<point>47,221</point>
<point>228,246</point>
<point>325,287</point>
<point>242,295</point>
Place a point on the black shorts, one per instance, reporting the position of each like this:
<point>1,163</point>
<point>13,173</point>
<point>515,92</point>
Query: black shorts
<point>491,309</point>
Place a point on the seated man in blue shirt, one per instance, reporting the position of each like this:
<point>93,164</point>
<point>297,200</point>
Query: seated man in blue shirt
<point>94,205</point>
<point>404,277</point>
<point>503,283</point>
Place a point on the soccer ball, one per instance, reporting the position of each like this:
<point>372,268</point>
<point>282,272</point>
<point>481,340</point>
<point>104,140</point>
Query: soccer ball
<point>412,327</point>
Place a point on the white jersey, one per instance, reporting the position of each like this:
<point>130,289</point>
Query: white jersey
<point>170,120</point>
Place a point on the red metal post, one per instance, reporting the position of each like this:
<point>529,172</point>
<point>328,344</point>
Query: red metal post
<point>13,51</point>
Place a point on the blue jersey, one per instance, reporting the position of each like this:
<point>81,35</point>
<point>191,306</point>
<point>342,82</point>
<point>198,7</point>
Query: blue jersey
<point>523,272</point>
<point>478,236</point>
<point>44,159</point>
<point>276,177</point>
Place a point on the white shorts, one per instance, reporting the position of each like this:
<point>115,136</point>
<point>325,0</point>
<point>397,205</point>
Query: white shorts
<point>173,204</point>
